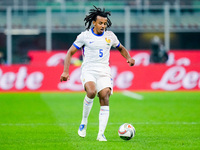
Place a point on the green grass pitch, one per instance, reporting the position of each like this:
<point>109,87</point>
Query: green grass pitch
<point>163,121</point>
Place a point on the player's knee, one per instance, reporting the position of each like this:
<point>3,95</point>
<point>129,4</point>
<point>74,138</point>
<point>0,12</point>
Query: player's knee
<point>105,93</point>
<point>91,93</point>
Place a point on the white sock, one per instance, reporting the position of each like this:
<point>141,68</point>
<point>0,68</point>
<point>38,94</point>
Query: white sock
<point>103,118</point>
<point>87,105</point>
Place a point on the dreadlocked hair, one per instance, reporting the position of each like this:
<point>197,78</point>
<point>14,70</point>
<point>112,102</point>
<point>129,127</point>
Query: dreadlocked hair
<point>93,16</point>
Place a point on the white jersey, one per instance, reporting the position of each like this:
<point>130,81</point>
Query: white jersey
<point>96,50</point>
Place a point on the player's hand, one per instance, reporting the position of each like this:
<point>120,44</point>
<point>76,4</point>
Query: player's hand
<point>131,61</point>
<point>64,77</point>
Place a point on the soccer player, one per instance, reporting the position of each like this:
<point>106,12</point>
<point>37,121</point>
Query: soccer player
<point>96,77</point>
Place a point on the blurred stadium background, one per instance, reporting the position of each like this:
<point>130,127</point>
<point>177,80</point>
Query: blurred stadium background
<point>54,24</point>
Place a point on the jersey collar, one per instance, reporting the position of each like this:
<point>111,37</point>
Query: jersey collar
<point>95,33</point>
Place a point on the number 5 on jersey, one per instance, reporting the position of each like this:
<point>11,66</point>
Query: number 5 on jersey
<point>100,52</point>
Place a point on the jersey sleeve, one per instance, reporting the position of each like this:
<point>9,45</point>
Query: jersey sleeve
<point>116,42</point>
<point>79,42</point>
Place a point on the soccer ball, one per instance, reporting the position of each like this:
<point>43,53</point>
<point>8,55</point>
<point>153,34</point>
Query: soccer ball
<point>126,131</point>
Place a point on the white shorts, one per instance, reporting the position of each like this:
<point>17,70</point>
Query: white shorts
<point>101,81</point>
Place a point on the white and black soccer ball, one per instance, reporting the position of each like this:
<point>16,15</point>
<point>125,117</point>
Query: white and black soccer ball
<point>126,131</point>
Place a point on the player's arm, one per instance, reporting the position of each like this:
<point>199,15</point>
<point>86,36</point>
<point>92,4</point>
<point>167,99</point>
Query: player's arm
<point>126,55</point>
<point>65,75</point>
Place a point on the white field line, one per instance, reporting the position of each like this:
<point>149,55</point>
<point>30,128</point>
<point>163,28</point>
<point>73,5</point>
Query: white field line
<point>132,95</point>
<point>70,124</point>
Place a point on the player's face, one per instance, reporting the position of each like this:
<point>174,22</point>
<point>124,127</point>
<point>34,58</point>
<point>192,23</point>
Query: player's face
<point>100,25</point>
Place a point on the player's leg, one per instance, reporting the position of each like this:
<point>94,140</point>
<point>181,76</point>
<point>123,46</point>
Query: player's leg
<point>104,88</point>
<point>104,112</point>
<point>90,88</point>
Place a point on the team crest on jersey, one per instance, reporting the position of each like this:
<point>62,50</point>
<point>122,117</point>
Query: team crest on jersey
<point>108,41</point>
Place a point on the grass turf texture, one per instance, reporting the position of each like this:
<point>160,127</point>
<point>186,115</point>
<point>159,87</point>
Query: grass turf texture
<point>163,120</point>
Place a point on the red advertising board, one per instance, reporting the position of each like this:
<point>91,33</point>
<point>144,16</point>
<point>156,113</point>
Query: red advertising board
<point>182,72</point>
<point>153,77</point>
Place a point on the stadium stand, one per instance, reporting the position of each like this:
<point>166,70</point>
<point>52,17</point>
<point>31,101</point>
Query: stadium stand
<point>68,17</point>
<point>93,2</point>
